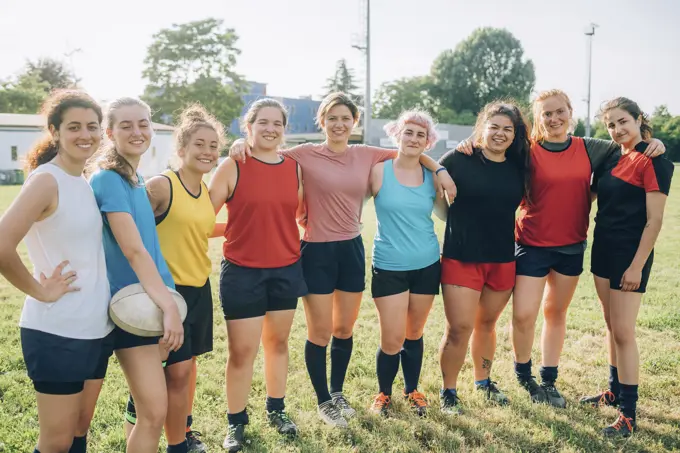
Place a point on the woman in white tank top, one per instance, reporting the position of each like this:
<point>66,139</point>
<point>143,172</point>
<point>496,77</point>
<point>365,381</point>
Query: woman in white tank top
<point>64,323</point>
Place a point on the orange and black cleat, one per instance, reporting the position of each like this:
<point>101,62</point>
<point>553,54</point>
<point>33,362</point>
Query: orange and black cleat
<point>622,427</point>
<point>417,402</point>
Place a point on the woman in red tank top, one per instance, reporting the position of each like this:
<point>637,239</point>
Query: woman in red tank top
<point>261,276</point>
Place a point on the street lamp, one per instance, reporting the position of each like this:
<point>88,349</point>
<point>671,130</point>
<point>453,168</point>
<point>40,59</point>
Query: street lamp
<point>589,32</point>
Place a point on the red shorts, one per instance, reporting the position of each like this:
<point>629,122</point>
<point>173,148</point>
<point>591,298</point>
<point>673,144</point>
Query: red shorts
<point>497,276</point>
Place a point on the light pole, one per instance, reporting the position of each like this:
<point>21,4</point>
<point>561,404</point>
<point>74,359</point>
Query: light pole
<point>589,32</point>
<point>366,48</point>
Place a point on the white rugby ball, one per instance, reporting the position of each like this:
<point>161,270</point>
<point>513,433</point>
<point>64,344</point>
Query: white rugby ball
<point>132,310</point>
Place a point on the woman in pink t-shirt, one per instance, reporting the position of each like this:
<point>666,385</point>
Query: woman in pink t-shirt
<point>336,177</point>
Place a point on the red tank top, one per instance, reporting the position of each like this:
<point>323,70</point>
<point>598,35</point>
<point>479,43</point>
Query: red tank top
<point>560,195</point>
<point>261,227</point>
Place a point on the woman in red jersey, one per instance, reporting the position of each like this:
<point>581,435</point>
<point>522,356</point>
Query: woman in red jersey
<point>336,179</point>
<point>551,234</point>
<point>631,195</point>
<point>261,277</point>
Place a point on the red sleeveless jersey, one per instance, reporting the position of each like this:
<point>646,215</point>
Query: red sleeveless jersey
<point>261,227</point>
<point>560,197</point>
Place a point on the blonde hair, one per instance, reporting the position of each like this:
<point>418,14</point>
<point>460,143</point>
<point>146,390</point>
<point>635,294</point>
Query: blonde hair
<point>538,134</point>
<point>333,99</point>
<point>193,118</point>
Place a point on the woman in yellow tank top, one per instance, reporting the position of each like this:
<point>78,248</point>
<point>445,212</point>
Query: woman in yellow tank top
<point>185,220</point>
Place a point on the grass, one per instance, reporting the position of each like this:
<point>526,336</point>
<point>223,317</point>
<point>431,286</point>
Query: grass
<point>519,427</point>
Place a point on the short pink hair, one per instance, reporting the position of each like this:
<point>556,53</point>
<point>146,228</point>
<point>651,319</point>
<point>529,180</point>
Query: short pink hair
<point>417,117</point>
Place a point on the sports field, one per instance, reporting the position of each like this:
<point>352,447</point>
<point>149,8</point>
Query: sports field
<point>483,428</point>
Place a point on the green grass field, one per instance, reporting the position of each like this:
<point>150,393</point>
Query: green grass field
<point>483,428</point>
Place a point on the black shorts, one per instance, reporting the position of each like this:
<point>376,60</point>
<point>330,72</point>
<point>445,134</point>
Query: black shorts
<point>60,366</point>
<point>610,259</point>
<point>420,281</point>
<point>328,266</point>
<point>538,261</point>
<point>198,325</point>
<point>247,292</point>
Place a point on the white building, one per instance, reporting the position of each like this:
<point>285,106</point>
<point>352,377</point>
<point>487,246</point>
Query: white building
<point>19,132</point>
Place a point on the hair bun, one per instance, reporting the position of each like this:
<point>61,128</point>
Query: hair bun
<point>194,113</point>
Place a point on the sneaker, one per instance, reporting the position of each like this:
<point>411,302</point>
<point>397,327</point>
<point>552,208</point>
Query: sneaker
<point>606,398</point>
<point>493,393</point>
<point>331,415</point>
<point>450,403</point>
<point>622,427</point>
<point>553,396</point>
<point>194,444</point>
<point>235,438</point>
<point>282,422</point>
<point>535,391</point>
<point>381,404</point>
<point>342,404</point>
<point>417,402</point>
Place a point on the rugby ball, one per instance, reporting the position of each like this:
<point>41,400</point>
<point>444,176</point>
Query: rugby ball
<point>132,310</point>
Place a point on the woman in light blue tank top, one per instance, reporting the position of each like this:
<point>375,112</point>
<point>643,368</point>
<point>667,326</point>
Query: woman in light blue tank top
<point>406,268</point>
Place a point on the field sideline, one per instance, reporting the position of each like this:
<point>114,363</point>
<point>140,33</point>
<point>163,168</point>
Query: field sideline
<point>483,428</point>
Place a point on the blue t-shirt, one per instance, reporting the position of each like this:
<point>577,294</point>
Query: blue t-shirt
<point>405,239</point>
<point>114,194</point>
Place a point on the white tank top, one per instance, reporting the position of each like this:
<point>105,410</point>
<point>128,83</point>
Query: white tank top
<point>72,232</point>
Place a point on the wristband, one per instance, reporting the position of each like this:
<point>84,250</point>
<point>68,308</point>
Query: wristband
<point>439,169</point>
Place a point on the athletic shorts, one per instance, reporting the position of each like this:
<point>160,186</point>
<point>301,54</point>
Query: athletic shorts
<point>340,265</point>
<point>419,281</point>
<point>198,325</point>
<point>497,276</point>
<point>60,366</point>
<point>247,292</point>
<point>610,259</point>
<point>538,261</point>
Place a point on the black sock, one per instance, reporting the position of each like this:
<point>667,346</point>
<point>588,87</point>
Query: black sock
<point>239,418</point>
<point>315,359</point>
<point>341,351</point>
<point>628,398</point>
<point>614,385</point>
<point>275,404</point>
<point>179,448</point>
<point>36,450</point>
<point>190,420</point>
<point>523,370</point>
<point>79,445</point>
<point>131,411</point>
<point>387,367</point>
<point>548,375</point>
<point>411,363</point>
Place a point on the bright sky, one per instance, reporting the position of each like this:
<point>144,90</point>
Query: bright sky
<point>293,45</point>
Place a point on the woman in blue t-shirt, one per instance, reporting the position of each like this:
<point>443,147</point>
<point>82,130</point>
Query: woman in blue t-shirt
<point>406,268</point>
<point>133,255</point>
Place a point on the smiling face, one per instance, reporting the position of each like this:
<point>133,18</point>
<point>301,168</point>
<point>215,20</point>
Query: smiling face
<point>338,124</point>
<point>201,152</point>
<point>498,134</point>
<point>131,130</point>
<point>412,140</point>
<point>623,128</point>
<point>267,129</point>
<point>554,118</point>
<point>79,134</point>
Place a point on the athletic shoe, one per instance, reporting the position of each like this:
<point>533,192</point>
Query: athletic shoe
<point>331,415</point>
<point>418,402</point>
<point>282,422</point>
<point>536,392</point>
<point>235,438</point>
<point>342,404</point>
<point>622,427</point>
<point>493,393</point>
<point>554,397</point>
<point>381,404</point>
<point>194,444</point>
<point>450,403</point>
<point>606,398</point>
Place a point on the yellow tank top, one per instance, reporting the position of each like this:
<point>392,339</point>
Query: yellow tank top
<point>183,232</point>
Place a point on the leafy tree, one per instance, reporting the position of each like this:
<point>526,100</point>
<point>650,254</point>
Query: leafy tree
<point>394,97</point>
<point>343,80</point>
<point>23,96</point>
<point>53,72</point>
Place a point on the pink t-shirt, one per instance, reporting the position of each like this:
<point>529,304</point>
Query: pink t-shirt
<point>335,188</point>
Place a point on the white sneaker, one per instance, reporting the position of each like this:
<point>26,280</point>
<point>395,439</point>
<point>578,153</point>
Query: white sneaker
<point>342,404</point>
<point>330,414</point>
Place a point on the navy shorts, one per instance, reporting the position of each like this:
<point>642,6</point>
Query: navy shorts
<point>328,266</point>
<point>248,292</point>
<point>539,261</point>
<point>60,366</point>
<point>610,259</point>
<point>419,281</point>
<point>198,325</point>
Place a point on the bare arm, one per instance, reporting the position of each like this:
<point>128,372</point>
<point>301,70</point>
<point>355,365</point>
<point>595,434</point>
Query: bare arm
<point>376,178</point>
<point>37,200</point>
<point>158,189</point>
<point>218,231</point>
<point>127,236</point>
<point>222,183</point>
<point>300,213</point>
<point>441,205</point>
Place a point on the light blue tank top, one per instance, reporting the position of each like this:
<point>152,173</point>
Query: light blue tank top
<point>405,239</point>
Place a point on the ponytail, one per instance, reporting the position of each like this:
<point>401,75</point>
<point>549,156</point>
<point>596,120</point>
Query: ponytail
<point>42,152</point>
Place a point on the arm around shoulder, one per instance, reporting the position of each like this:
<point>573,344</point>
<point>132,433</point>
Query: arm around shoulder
<point>222,183</point>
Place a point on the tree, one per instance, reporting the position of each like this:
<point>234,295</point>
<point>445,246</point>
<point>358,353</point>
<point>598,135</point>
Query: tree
<point>488,65</point>
<point>394,97</point>
<point>53,72</point>
<point>343,80</point>
<point>23,96</point>
<point>193,62</point>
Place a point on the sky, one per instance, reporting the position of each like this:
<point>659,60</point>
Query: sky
<point>293,45</point>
